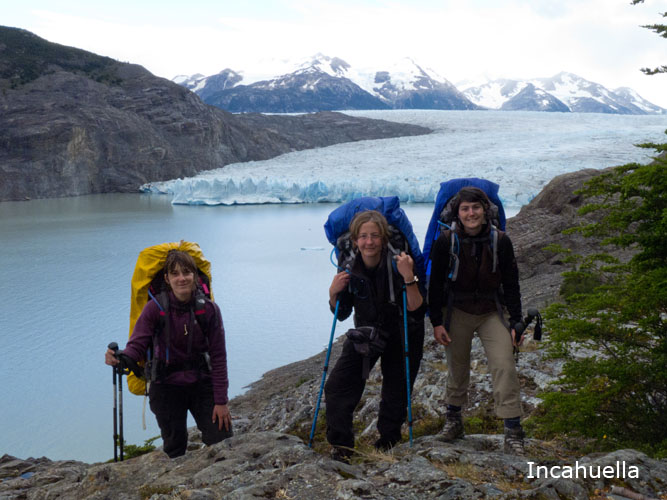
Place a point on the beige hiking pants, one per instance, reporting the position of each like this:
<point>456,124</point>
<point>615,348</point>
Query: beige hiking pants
<point>497,344</point>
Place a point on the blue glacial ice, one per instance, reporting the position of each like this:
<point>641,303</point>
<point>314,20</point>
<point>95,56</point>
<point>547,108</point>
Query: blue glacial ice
<point>520,151</point>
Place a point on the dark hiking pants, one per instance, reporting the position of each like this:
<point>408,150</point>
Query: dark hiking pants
<point>345,386</point>
<point>171,403</point>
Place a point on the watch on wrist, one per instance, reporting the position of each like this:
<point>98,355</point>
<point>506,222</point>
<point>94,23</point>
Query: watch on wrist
<point>414,281</point>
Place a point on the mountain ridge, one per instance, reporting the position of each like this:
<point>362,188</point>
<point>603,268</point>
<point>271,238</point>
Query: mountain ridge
<point>405,84</point>
<point>564,89</point>
<point>327,83</point>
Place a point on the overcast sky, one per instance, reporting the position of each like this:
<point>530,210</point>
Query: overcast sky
<point>599,40</point>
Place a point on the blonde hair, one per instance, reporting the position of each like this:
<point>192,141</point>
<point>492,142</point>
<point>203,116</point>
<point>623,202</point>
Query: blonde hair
<point>373,216</point>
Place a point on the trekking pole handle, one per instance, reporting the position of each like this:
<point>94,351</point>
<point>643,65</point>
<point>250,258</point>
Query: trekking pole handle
<point>532,313</point>
<point>114,347</point>
<point>520,326</point>
<point>122,365</point>
<point>126,364</point>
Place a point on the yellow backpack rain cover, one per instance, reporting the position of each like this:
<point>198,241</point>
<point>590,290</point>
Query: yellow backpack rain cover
<point>151,261</point>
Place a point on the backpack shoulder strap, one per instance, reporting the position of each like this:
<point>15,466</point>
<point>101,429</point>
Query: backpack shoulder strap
<point>163,325</point>
<point>454,249</point>
<point>200,313</point>
<point>495,236</point>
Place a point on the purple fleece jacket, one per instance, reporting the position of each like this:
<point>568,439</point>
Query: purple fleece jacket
<point>183,325</point>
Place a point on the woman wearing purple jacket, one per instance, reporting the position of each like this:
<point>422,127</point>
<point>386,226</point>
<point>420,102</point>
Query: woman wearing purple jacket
<point>191,365</point>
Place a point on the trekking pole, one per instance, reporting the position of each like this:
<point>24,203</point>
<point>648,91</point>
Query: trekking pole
<point>324,375</point>
<point>407,361</point>
<point>121,437</point>
<point>114,347</point>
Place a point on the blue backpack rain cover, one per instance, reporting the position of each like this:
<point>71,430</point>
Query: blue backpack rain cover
<point>338,223</point>
<point>447,190</point>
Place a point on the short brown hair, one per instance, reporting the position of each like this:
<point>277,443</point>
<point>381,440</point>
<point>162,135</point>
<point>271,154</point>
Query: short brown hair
<point>471,194</point>
<point>182,259</point>
<point>374,216</point>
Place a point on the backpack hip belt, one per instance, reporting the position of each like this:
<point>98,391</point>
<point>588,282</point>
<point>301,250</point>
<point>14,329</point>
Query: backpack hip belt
<point>202,364</point>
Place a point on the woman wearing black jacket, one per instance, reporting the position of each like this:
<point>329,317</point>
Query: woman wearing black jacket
<point>365,288</point>
<point>471,303</point>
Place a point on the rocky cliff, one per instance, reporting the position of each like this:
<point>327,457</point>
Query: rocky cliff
<point>541,223</point>
<point>74,123</point>
<point>269,458</point>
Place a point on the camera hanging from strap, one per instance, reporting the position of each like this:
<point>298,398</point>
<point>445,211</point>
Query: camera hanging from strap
<point>368,341</point>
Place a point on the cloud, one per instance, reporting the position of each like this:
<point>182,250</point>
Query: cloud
<point>600,40</point>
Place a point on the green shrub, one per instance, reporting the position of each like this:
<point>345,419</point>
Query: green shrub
<point>133,450</point>
<point>612,328</point>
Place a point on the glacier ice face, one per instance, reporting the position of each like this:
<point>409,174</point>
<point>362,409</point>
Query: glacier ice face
<point>520,151</point>
<point>265,182</point>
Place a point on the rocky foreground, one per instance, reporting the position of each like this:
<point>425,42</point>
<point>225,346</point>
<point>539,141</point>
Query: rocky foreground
<point>269,456</point>
<point>277,465</point>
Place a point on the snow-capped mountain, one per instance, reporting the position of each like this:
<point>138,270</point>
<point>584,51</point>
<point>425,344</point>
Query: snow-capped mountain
<point>318,86</point>
<point>493,94</point>
<point>406,85</point>
<point>531,98</point>
<point>205,86</point>
<point>562,92</point>
<point>325,83</point>
<point>629,97</point>
<point>584,96</point>
<point>329,83</point>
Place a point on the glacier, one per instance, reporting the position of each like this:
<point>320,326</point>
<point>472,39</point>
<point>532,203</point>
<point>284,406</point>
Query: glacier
<point>273,182</point>
<point>520,151</point>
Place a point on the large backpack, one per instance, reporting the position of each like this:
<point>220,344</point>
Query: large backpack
<point>148,284</point>
<point>402,237</point>
<point>368,341</point>
<point>443,215</point>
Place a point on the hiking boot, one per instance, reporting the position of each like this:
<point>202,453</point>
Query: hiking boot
<point>384,444</point>
<point>341,454</point>
<point>514,441</point>
<point>453,427</point>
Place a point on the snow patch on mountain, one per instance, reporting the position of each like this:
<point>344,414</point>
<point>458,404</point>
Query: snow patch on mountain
<point>531,98</point>
<point>576,91</point>
<point>403,76</point>
<point>563,89</point>
<point>633,98</point>
<point>494,94</point>
<point>332,66</point>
